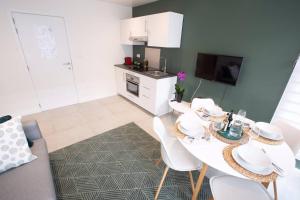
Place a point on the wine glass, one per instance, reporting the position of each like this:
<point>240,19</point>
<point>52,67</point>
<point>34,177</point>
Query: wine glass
<point>255,132</point>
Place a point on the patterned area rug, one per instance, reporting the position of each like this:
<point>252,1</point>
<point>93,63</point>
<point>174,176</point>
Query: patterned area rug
<point>118,164</point>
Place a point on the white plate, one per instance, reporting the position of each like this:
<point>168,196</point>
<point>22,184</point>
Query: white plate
<point>198,133</point>
<point>202,115</point>
<point>265,171</point>
<point>214,111</point>
<point>190,121</point>
<point>254,156</point>
<point>244,120</point>
<point>268,131</point>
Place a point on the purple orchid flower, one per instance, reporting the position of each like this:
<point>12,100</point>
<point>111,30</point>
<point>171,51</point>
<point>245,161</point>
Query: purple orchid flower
<point>181,75</point>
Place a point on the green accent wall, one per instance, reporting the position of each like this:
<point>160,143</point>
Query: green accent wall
<point>265,32</point>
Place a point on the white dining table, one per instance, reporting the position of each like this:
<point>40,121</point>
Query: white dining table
<point>210,152</point>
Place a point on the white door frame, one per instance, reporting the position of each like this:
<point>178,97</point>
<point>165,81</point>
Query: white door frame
<point>26,62</point>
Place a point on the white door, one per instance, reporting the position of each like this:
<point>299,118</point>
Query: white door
<point>45,46</point>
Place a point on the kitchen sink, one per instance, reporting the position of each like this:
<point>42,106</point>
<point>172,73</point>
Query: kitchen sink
<point>157,73</point>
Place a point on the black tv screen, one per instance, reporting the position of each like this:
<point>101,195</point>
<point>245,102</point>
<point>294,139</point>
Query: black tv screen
<point>218,68</point>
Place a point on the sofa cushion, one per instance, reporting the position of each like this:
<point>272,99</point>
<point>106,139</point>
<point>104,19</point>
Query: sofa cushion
<point>8,117</point>
<point>29,181</point>
<point>14,150</point>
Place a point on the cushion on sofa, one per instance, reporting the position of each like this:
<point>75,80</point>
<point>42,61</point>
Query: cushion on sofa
<point>30,181</point>
<point>14,150</point>
<point>8,117</point>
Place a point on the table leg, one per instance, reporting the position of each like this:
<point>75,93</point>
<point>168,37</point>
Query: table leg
<point>275,190</point>
<point>200,181</point>
<point>266,185</point>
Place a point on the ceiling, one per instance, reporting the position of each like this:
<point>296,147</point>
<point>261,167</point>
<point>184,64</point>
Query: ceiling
<point>131,3</point>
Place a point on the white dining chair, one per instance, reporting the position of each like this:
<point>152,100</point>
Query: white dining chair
<point>291,135</point>
<point>287,186</point>
<point>198,103</point>
<point>174,155</point>
<point>232,188</point>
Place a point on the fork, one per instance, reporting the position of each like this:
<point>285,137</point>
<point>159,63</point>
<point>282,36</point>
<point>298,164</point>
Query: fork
<point>277,168</point>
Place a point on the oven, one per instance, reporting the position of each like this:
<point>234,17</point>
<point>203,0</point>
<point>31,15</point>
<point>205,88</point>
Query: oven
<point>132,84</point>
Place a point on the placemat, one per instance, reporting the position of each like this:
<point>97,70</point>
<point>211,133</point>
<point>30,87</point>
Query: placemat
<point>227,154</point>
<point>181,135</point>
<point>212,118</point>
<point>263,139</point>
<point>177,132</point>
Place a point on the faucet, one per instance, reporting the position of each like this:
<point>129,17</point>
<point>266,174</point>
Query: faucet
<point>165,64</point>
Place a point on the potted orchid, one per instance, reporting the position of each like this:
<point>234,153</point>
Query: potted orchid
<point>179,86</point>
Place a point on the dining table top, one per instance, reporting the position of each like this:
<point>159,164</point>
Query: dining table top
<point>210,151</point>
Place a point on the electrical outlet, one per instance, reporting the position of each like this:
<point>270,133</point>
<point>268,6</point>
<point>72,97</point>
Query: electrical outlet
<point>138,55</point>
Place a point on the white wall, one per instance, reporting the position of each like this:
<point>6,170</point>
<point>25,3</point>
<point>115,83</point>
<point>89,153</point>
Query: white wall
<point>94,36</point>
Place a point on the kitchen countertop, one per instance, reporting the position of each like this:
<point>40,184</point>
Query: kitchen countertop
<point>130,68</point>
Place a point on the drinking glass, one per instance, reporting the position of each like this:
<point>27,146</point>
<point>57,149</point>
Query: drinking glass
<point>241,116</point>
<point>236,128</point>
<point>218,125</point>
<point>255,132</point>
<point>242,113</point>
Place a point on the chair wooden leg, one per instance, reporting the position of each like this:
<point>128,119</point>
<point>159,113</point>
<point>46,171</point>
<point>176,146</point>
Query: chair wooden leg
<point>200,181</point>
<point>192,181</point>
<point>161,182</point>
<point>158,162</point>
<point>266,184</point>
<point>275,190</point>
<point>211,198</point>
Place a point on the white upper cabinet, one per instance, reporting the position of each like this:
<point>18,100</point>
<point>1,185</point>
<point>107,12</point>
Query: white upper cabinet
<point>164,29</point>
<point>160,30</point>
<point>125,32</point>
<point>133,30</point>
<point>138,26</point>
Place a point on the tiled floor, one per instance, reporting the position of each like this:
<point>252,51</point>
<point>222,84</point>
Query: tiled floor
<point>67,125</point>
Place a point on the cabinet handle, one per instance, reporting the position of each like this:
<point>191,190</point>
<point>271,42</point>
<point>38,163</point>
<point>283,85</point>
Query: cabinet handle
<point>146,97</point>
<point>130,96</point>
<point>146,88</point>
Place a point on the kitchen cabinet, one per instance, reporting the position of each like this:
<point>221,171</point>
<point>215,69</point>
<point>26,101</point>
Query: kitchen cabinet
<point>164,29</point>
<point>138,26</point>
<point>148,93</point>
<point>125,32</point>
<point>120,80</point>
<point>160,30</point>
<point>154,94</point>
<point>120,75</point>
<point>132,29</point>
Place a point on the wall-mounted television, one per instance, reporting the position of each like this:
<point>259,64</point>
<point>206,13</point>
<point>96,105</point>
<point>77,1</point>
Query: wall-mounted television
<point>220,68</point>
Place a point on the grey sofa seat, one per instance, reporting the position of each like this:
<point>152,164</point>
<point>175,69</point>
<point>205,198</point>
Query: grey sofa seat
<point>32,180</point>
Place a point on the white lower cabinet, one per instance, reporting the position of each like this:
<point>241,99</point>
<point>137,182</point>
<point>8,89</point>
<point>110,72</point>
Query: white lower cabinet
<point>120,80</point>
<point>154,94</point>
